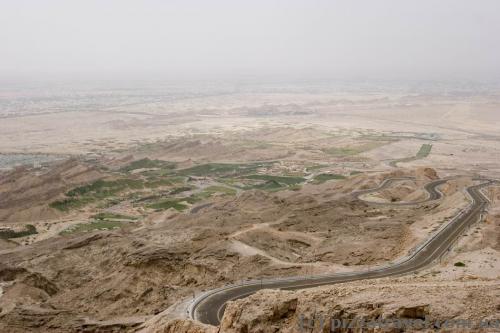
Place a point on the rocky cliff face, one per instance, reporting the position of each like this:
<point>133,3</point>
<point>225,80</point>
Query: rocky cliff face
<point>180,326</point>
<point>415,304</point>
<point>329,309</point>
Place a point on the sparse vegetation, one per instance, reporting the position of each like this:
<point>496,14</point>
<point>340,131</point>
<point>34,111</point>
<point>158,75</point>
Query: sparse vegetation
<point>459,264</point>
<point>251,144</point>
<point>353,150</point>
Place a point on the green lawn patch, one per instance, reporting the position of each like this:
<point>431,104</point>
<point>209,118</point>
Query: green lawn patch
<point>272,183</point>
<point>316,167</point>
<point>278,179</point>
<point>70,203</point>
<point>222,169</point>
<point>294,188</point>
<point>156,179</point>
<point>220,190</point>
<point>380,137</point>
<point>167,204</point>
<point>94,225</point>
<point>28,230</point>
<point>113,216</point>
<point>155,183</point>
<point>265,182</point>
<point>269,185</point>
<point>181,189</point>
<point>207,193</point>
<point>423,152</point>
<point>100,189</point>
<point>105,188</point>
<point>194,198</point>
<point>324,177</point>
<point>341,151</point>
<point>146,163</point>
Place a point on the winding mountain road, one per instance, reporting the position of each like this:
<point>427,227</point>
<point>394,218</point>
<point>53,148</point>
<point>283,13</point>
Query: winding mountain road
<point>431,188</point>
<point>209,307</point>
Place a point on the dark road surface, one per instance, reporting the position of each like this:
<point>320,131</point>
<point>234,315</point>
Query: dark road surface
<point>209,307</point>
<point>431,189</point>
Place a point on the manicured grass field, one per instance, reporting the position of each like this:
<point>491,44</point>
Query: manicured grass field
<point>166,204</point>
<point>180,190</point>
<point>70,203</point>
<point>158,182</point>
<point>100,189</point>
<point>113,216</point>
<point>221,169</point>
<point>105,188</point>
<point>270,182</point>
<point>145,189</point>
<point>423,152</point>
<point>316,167</point>
<point>279,179</point>
<point>219,189</point>
<point>29,230</point>
<point>323,177</point>
<point>94,225</point>
<point>207,193</point>
<point>353,150</point>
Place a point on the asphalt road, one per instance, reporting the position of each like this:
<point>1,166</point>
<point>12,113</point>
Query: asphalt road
<point>209,307</point>
<point>431,188</point>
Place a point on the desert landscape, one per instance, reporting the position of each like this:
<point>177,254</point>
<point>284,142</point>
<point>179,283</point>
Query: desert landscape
<point>121,209</point>
<point>265,166</point>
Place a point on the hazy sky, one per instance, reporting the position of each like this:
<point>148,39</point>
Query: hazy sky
<point>382,39</point>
